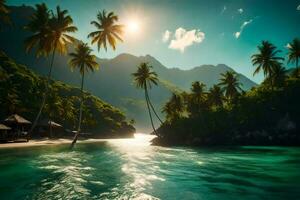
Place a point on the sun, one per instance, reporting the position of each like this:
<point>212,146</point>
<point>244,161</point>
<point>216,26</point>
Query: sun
<point>133,26</point>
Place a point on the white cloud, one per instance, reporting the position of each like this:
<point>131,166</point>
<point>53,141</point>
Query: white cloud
<point>183,38</point>
<point>224,9</point>
<point>166,36</point>
<point>240,10</point>
<point>298,7</point>
<point>243,26</point>
<point>237,34</point>
<point>288,46</point>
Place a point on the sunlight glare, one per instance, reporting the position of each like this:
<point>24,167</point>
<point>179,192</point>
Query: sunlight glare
<point>133,26</point>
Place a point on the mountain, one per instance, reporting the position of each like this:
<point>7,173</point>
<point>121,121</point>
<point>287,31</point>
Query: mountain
<point>113,82</point>
<point>21,91</point>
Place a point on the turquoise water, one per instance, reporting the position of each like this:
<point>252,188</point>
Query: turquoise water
<point>132,169</point>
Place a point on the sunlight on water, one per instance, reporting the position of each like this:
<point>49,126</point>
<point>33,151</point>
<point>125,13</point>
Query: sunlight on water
<point>137,156</point>
<point>133,169</point>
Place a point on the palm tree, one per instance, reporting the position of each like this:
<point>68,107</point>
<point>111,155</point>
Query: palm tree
<point>107,30</point>
<point>84,61</point>
<point>53,107</point>
<point>39,26</point>
<point>215,96</point>
<point>279,76</point>
<point>266,59</point>
<point>4,12</point>
<point>294,53</point>
<point>196,100</point>
<point>174,107</point>
<point>198,90</point>
<point>50,35</point>
<point>68,111</point>
<point>144,78</point>
<point>231,85</point>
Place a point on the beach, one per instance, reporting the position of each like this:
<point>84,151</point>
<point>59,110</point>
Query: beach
<point>43,142</point>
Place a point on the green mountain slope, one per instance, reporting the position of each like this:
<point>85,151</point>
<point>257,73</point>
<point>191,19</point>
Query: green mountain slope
<point>22,90</point>
<point>113,82</point>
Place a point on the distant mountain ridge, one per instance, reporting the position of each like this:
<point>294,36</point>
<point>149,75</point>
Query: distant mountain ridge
<point>113,82</point>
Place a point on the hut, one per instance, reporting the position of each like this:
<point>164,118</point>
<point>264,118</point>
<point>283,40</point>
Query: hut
<point>19,126</point>
<point>4,135</point>
<point>48,128</point>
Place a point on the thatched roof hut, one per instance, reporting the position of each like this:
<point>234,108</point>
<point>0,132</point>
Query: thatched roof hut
<point>4,128</point>
<point>16,119</point>
<point>19,126</point>
<point>48,128</point>
<point>4,132</point>
<point>49,123</point>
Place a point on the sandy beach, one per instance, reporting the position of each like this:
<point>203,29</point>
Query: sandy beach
<point>43,142</point>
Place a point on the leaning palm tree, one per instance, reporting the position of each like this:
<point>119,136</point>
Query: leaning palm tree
<point>215,96</point>
<point>266,59</point>
<point>50,35</point>
<point>144,78</point>
<point>230,84</point>
<point>84,61</point>
<point>107,30</point>
<point>294,53</point>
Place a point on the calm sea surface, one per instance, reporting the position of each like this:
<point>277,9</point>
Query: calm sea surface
<point>132,169</point>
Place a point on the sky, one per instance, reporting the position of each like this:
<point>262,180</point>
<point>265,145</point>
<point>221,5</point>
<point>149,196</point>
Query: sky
<point>189,33</point>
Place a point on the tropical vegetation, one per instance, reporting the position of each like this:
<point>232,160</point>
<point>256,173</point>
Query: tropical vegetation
<point>85,62</point>
<point>20,92</point>
<point>144,78</point>
<point>225,115</point>
<point>50,34</point>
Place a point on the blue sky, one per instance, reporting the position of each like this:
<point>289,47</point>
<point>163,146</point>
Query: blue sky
<point>200,31</point>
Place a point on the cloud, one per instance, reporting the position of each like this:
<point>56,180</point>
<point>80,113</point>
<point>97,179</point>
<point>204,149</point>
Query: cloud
<point>240,10</point>
<point>288,45</point>
<point>298,7</point>
<point>237,34</point>
<point>166,36</point>
<point>183,38</point>
<point>243,26</point>
<point>224,9</point>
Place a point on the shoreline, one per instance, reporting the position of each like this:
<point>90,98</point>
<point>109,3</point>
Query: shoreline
<point>46,142</point>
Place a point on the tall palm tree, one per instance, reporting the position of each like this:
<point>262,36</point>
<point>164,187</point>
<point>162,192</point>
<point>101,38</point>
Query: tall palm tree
<point>107,30</point>
<point>39,26</point>
<point>50,35</point>
<point>294,53</point>
<point>231,85</point>
<point>215,96</point>
<point>266,59</point>
<point>4,13</point>
<point>84,61</point>
<point>144,78</point>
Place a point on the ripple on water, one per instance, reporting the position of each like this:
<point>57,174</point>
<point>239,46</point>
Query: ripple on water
<point>125,169</point>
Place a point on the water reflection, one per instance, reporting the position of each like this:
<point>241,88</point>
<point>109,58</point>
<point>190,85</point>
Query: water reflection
<point>138,165</point>
<point>133,169</point>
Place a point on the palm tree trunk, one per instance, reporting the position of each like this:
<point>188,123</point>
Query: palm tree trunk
<point>80,114</point>
<point>149,111</point>
<point>45,94</point>
<point>153,108</point>
<point>50,127</point>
